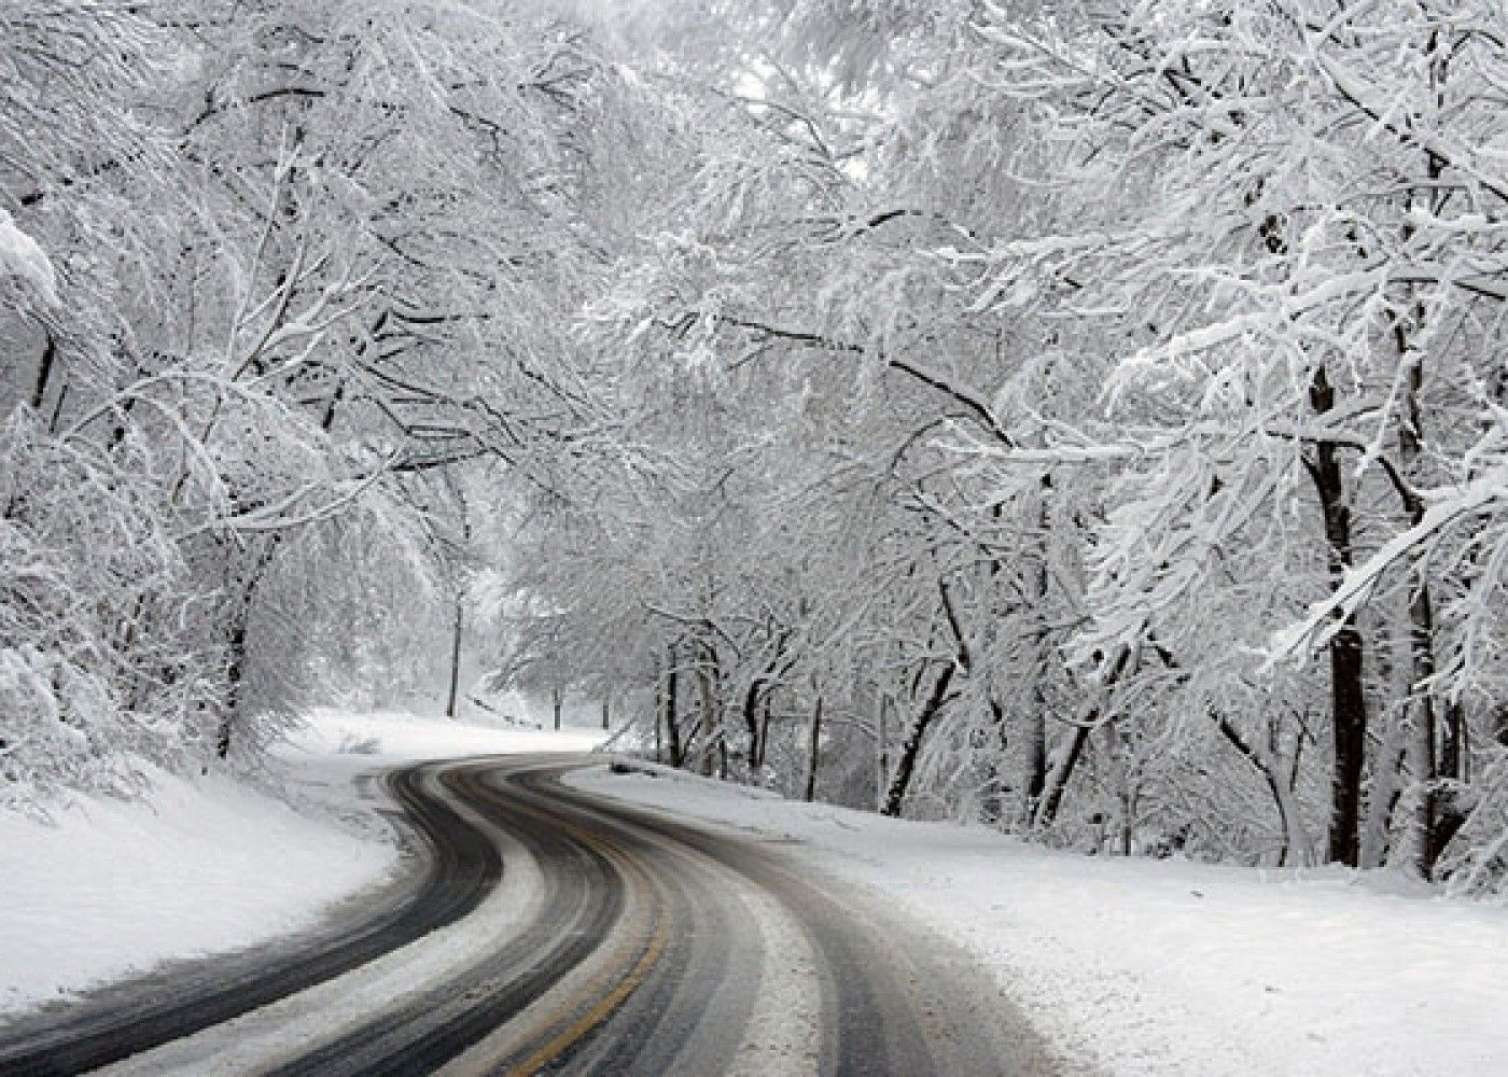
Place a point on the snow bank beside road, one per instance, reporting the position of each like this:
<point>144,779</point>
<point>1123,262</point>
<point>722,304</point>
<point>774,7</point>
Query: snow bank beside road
<point>1167,968</point>
<point>403,738</point>
<point>116,887</point>
<point>212,865</point>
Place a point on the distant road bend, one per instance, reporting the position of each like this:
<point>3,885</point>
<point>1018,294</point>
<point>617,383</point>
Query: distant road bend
<point>553,931</point>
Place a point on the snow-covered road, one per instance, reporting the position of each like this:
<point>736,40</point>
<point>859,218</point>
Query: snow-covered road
<point>564,931</point>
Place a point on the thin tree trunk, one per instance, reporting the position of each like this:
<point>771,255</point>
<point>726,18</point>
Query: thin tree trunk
<point>757,702</point>
<point>455,657</point>
<point>1454,759</point>
<point>813,746</point>
<point>1128,799</point>
<point>992,808</point>
<point>44,372</point>
<point>708,684</point>
<point>911,748</point>
<point>235,668</point>
<point>1120,764</point>
<point>764,725</point>
<point>457,578</point>
<point>751,723</point>
<point>1034,776</point>
<point>1386,783</point>
<point>556,699</point>
<point>1422,795</point>
<point>236,647</point>
<point>672,728</point>
<point>905,766</point>
<point>606,712</point>
<point>1057,781</point>
<point>1390,763</point>
<point>1295,840</point>
<point>659,706</point>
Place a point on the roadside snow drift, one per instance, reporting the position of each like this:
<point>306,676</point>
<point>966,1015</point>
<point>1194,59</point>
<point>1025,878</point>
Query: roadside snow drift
<point>114,887</point>
<point>1165,967</point>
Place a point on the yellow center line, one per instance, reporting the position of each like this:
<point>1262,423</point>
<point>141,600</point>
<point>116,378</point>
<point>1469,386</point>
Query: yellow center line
<point>601,1011</point>
<point>606,1004</point>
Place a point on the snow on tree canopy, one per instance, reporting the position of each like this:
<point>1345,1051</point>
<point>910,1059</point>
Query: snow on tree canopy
<point>20,256</point>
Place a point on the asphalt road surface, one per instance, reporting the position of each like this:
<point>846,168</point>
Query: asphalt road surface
<point>546,930</point>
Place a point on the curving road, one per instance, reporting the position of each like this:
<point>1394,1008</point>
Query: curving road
<point>553,931</point>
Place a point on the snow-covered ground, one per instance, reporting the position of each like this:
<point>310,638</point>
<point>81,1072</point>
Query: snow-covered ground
<point>1136,967</point>
<point>113,888</point>
<point>1168,968</point>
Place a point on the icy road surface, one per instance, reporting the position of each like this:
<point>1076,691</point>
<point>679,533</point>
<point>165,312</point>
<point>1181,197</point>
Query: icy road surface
<point>560,930</point>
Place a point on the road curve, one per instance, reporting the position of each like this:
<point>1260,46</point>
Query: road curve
<point>554,931</point>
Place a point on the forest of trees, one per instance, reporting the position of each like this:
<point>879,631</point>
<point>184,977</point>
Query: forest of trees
<point>1087,417</point>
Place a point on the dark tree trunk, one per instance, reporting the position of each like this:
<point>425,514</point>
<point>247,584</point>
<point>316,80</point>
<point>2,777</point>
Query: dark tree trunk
<point>606,712</point>
<point>1057,782</point>
<point>455,657</point>
<point>751,722</point>
<point>1349,721</point>
<point>659,711</point>
<point>556,698</point>
<point>1052,796</point>
<point>235,668</point>
<point>905,766</point>
<point>1034,779</point>
<point>57,409</point>
<point>1449,817</point>
<point>44,373</point>
<point>1348,701</point>
<point>911,748</point>
<point>756,706</point>
<point>1036,755</point>
<point>236,636</point>
<point>672,728</point>
<point>1453,755</point>
<point>813,746</point>
<point>764,726</point>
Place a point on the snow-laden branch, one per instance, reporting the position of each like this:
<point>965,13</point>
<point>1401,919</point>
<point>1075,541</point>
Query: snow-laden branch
<point>279,515</point>
<point>1130,443</point>
<point>22,257</point>
<point>1327,617</point>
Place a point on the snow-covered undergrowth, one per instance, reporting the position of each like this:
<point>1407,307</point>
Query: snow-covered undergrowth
<point>1164,967</point>
<point>114,887</point>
